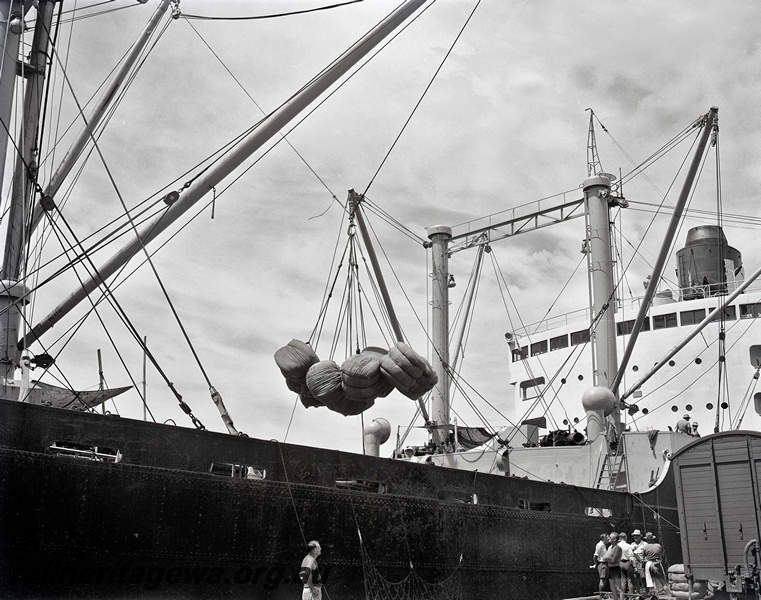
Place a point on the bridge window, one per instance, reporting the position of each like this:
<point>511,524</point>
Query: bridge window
<point>664,321</point>
<point>538,348</point>
<point>692,317</point>
<point>559,342</point>
<point>729,313</point>
<point>579,337</point>
<point>626,327</point>
<point>520,353</point>
<point>750,311</point>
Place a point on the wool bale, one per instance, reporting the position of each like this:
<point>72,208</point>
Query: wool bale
<point>293,384</point>
<point>384,387</point>
<point>324,382</point>
<point>679,587</point>
<point>361,370</point>
<point>677,568</point>
<point>294,360</point>
<point>309,401</point>
<point>360,377</point>
<point>686,596</point>
<point>350,407</point>
<point>394,374</point>
<point>677,578</point>
<point>410,373</point>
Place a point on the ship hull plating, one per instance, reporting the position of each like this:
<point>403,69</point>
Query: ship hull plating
<point>162,522</point>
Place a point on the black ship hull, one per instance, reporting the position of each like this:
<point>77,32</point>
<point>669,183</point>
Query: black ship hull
<point>169,518</point>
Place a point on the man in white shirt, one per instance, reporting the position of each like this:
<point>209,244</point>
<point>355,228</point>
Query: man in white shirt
<point>626,563</point>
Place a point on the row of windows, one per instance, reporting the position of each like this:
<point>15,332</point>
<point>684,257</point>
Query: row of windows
<point>667,321</point>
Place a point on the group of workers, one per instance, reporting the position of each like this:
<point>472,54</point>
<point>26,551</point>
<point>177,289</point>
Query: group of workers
<point>683,425</point>
<point>630,567</point>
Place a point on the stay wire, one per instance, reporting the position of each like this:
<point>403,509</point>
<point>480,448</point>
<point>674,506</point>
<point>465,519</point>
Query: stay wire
<point>272,16</point>
<point>325,99</point>
<point>99,13</point>
<point>498,275</point>
<point>104,123</point>
<point>108,295</point>
<point>183,405</point>
<point>245,91</point>
<point>420,100</point>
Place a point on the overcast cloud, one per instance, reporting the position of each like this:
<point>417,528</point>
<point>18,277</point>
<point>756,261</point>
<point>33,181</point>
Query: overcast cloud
<point>504,123</point>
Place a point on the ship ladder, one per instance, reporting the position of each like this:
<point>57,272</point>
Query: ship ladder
<point>612,463</point>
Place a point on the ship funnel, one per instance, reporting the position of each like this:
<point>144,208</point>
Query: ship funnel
<point>707,265</point>
<point>598,402</point>
<point>376,433</point>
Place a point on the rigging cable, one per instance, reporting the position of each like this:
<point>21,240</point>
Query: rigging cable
<point>272,16</point>
<point>327,97</point>
<point>430,83</point>
<point>112,300</point>
<point>177,395</point>
<point>245,91</point>
<point>723,376</point>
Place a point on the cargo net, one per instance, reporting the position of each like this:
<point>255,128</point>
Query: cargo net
<point>412,587</point>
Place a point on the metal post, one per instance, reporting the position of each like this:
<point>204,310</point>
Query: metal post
<point>596,194</point>
<point>11,27</point>
<point>26,163</point>
<point>439,237</point>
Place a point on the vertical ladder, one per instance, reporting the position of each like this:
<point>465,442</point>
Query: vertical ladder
<point>610,470</point>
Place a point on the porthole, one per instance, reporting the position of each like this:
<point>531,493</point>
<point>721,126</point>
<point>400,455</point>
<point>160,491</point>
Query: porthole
<point>709,406</point>
<point>724,405</point>
<point>645,411</point>
<point>674,408</point>
<point>581,378</point>
<point>562,381</point>
<point>635,368</point>
<point>565,421</point>
<point>698,361</point>
<point>576,419</point>
<point>688,407</point>
<point>671,363</point>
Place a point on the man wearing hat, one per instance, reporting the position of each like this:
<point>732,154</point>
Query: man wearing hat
<point>655,576</point>
<point>637,571</point>
<point>683,425</point>
<point>695,429</point>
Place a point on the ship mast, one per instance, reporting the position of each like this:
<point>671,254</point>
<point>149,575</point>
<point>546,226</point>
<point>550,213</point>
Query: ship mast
<point>11,291</point>
<point>440,236</point>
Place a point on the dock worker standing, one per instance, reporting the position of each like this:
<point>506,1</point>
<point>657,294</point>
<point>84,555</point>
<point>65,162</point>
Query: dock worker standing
<point>655,576</point>
<point>602,568</point>
<point>310,573</point>
<point>612,558</point>
<point>627,565</point>
<point>637,571</point>
<point>683,425</point>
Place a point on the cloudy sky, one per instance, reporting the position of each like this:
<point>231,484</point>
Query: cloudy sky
<point>503,123</point>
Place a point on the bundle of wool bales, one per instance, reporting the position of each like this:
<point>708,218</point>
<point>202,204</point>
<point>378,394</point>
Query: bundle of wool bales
<point>354,386</point>
<point>681,587</point>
